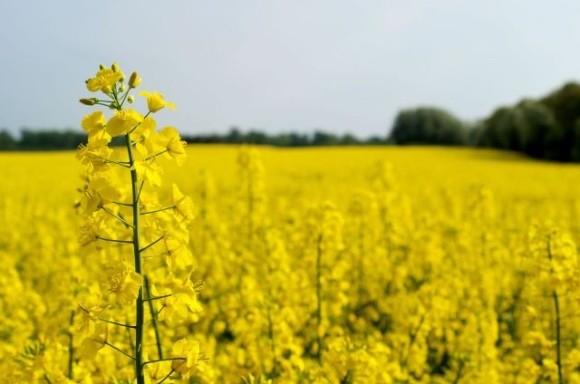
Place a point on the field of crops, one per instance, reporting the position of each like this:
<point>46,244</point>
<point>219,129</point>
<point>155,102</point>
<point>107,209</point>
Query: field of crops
<point>329,265</point>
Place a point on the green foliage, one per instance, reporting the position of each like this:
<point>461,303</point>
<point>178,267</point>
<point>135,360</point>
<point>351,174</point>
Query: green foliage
<point>7,142</point>
<point>528,127</point>
<point>565,106</point>
<point>287,139</point>
<point>427,125</point>
<point>49,139</point>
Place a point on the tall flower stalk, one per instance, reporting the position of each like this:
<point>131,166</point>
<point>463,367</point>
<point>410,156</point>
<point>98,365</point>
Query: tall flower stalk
<point>123,209</point>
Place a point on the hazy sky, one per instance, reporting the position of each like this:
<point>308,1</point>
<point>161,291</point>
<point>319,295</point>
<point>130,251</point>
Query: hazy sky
<point>278,65</point>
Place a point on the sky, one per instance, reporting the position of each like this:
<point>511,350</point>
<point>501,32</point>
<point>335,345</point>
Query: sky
<point>286,65</point>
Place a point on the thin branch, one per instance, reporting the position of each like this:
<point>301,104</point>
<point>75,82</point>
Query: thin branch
<point>114,240</point>
<point>118,350</point>
<point>164,359</point>
<point>158,210</point>
<point>158,297</point>
<point>151,244</point>
<point>167,376</point>
<point>117,217</point>
<point>116,323</point>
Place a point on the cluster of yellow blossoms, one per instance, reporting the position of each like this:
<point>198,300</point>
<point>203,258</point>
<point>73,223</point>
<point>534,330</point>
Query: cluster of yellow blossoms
<point>135,236</point>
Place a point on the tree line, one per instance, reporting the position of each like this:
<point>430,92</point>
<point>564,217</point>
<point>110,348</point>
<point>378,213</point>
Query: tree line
<point>544,128</point>
<point>55,139</point>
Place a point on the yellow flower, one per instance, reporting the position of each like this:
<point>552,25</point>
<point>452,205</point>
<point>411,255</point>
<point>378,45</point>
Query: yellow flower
<point>123,121</point>
<point>134,80</point>
<point>98,192</point>
<point>155,101</point>
<point>149,171</point>
<point>94,122</point>
<point>104,80</point>
<point>89,311</point>
<point>124,283</point>
<point>174,145</point>
<point>183,301</point>
<point>183,204</point>
<point>94,125</point>
<point>95,154</point>
<point>188,353</point>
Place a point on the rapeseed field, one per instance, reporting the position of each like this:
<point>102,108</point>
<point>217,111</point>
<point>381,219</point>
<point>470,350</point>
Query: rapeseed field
<point>325,265</point>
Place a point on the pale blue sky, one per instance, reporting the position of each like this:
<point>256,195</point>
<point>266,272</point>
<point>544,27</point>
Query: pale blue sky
<point>300,65</point>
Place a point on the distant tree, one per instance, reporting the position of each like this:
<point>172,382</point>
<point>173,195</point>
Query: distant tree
<point>427,125</point>
<point>32,139</point>
<point>375,140</point>
<point>324,138</point>
<point>7,142</point>
<point>348,139</point>
<point>292,139</point>
<point>256,137</point>
<point>234,136</point>
<point>564,103</point>
<point>527,127</point>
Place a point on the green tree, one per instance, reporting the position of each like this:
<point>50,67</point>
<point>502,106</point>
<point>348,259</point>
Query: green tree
<point>428,125</point>
<point>527,127</point>
<point>564,103</point>
<point>7,142</point>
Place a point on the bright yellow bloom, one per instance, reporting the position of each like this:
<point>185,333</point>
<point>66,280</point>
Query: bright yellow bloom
<point>94,122</point>
<point>174,145</point>
<point>183,204</point>
<point>94,125</point>
<point>124,282</point>
<point>99,192</point>
<point>95,154</point>
<point>124,121</point>
<point>104,80</point>
<point>155,101</point>
<point>149,171</point>
<point>189,352</point>
<point>88,311</point>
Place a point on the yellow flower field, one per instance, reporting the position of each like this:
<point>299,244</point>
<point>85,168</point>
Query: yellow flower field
<point>325,265</point>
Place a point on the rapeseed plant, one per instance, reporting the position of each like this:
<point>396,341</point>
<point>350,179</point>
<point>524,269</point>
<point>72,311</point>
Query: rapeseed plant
<point>137,233</point>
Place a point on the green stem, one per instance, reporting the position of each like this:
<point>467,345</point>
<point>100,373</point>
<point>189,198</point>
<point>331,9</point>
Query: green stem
<point>158,210</point>
<point>139,316</point>
<point>167,376</point>
<point>158,297</point>
<point>157,154</point>
<point>116,323</point>
<point>71,350</point>
<point>165,359</point>
<point>117,217</point>
<point>114,240</point>
<point>319,298</point>
<point>118,349</point>
<point>558,337</point>
<point>152,244</point>
<point>556,300</point>
<point>153,318</point>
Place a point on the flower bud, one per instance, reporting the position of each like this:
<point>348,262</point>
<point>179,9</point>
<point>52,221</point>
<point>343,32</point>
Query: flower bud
<point>130,99</point>
<point>134,80</point>
<point>122,88</point>
<point>116,69</point>
<point>92,101</point>
<point>101,67</point>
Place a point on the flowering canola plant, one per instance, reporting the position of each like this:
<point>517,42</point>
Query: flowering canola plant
<point>136,234</point>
